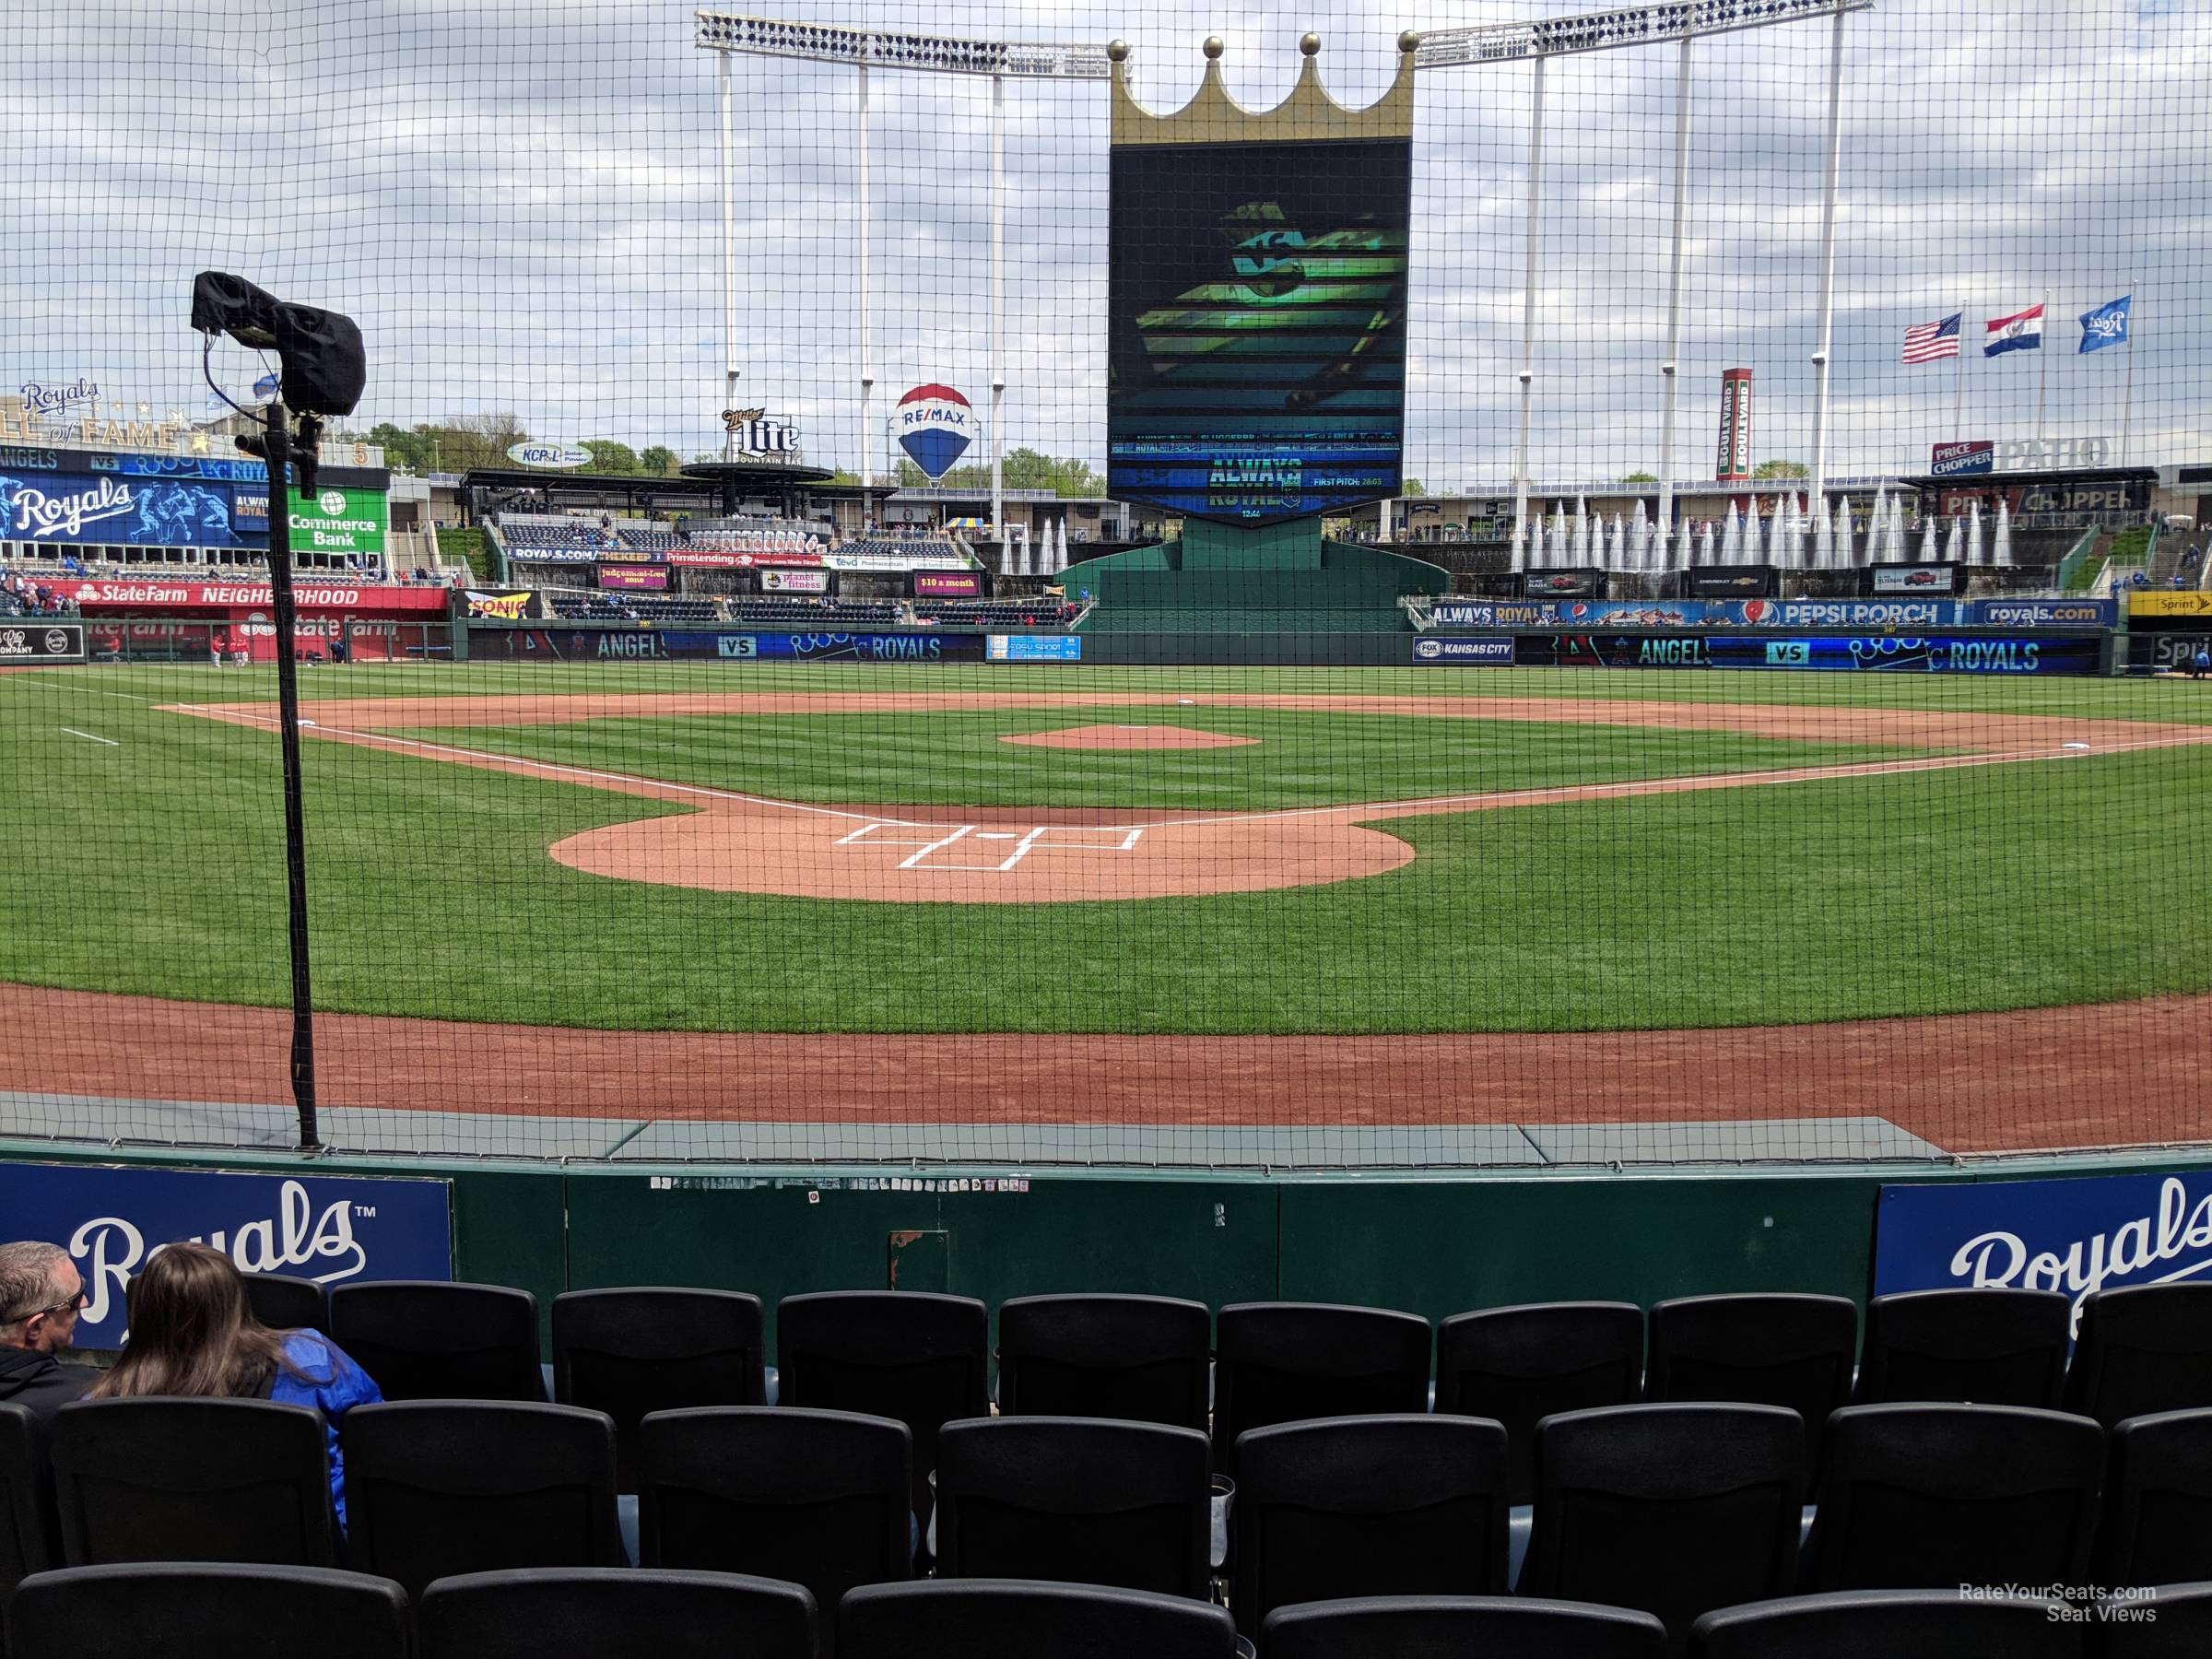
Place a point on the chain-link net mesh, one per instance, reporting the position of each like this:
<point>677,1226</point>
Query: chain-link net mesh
<point>926,586</point>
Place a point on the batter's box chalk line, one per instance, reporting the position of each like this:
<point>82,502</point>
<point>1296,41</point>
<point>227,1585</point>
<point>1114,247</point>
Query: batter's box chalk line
<point>1026,841</point>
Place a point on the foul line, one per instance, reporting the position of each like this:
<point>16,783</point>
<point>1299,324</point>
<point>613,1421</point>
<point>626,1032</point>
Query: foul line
<point>1680,783</point>
<point>89,738</point>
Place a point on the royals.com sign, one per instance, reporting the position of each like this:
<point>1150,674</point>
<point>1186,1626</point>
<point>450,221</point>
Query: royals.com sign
<point>2097,1233</point>
<point>327,1228</point>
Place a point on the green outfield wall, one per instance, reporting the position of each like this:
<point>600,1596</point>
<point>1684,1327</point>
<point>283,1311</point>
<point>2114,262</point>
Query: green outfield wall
<point>1435,1244</point>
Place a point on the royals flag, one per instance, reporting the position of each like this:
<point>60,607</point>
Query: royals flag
<point>1931,341</point>
<point>2107,326</point>
<point>2023,330</point>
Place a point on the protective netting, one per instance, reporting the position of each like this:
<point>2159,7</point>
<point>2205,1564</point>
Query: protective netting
<point>1471,610</point>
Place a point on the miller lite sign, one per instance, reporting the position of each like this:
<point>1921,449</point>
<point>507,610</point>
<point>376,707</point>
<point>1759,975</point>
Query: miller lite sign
<point>759,433</point>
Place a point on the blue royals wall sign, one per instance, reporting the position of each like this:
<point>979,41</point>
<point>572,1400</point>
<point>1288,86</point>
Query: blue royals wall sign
<point>332,1228</point>
<point>2097,1233</point>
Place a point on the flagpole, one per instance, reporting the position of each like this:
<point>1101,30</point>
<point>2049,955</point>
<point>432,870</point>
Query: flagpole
<point>2127,395</point>
<point>1958,398</point>
<point>2042,384</point>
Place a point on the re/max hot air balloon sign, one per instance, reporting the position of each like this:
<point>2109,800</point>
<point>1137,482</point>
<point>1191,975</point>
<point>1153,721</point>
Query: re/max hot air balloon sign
<point>936,427</point>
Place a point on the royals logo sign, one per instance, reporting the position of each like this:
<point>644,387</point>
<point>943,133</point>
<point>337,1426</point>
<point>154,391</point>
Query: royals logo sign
<point>2098,1233</point>
<point>330,1228</point>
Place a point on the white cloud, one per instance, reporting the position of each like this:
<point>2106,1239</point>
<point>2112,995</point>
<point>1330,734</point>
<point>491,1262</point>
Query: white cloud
<point>520,202</point>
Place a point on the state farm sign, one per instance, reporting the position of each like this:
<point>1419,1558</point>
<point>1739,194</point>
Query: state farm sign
<point>308,595</point>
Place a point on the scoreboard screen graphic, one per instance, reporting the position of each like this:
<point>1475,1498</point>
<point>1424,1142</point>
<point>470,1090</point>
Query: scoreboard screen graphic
<point>1257,326</point>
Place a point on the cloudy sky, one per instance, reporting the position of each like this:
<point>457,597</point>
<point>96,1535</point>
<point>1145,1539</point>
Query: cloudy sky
<point>520,202</point>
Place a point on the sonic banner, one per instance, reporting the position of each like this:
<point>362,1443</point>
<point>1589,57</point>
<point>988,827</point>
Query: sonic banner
<point>2098,1232</point>
<point>327,1228</point>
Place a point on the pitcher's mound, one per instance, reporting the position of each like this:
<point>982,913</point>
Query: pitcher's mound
<point>1128,737</point>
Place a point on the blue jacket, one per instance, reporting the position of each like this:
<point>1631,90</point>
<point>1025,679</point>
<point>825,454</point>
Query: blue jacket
<point>333,1385</point>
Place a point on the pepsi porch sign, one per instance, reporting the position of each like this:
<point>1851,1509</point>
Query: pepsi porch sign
<point>331,1228</point>
<point>2097,1233</point>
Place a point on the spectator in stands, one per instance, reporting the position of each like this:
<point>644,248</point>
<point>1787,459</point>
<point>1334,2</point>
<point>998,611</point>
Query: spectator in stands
<point>40,1292</point>
<point>2201,663</point>
<point>193,1334</point>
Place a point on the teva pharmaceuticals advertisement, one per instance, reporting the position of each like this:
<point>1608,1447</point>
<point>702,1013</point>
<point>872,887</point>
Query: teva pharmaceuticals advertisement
<point>337,520</point>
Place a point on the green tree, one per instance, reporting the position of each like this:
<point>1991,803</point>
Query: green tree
<point>1782,469</point>
<point>1411,486</point>
<point>1640,478</point>
<point>657,460</point>
<point>607,456</point>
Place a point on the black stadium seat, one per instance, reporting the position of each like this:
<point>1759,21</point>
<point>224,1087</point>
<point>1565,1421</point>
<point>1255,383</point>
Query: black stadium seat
<point>1757,1349</point>
<point>1028,1618</point>
<point>2175,1622</point>
<point>1281,1362</point>
<point>424,1339</point>
<point>1520,1365</point>
<point>157,1479</point>
<point>1675,1510</point>
<point>1078,1499</point>
<point>1925,1497</point>
<point>628,1353</point>
<point>1888,1624</point>
<point>2155,1526</point>
<point>599,1612</point>
<point>207,1611</point>
<point>1368,1506</point>
<point>1992,1347</point>
<point>818,1498</point>
<point>435,1488</point>
<point>285,1303</point>
<point>2142,1349</point>
<point>1145,1358</point>
<point>922,1359</point>
<point>1444,1627</point>
<point>26,1523</point>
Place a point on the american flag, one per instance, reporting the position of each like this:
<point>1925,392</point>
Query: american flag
<point>1931,341</point>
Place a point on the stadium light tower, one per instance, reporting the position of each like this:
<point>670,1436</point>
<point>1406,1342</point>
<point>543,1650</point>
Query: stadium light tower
<point>1682,20</point>
<point>729,34</point>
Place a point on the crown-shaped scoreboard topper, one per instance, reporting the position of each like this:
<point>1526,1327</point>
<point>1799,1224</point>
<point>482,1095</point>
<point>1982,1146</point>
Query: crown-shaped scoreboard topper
<point>1214,117</point>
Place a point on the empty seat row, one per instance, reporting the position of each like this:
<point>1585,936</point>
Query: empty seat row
<point>219,1612</point>
<point>1669,1509</point>
<point>924,1359</point>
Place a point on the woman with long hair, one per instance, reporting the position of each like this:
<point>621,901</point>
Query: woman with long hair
<point>193,1333</point>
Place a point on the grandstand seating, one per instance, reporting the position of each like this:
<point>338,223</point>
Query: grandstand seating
<point>26,1499</point>
<point>1083,1500</point>
<point>1793,1351</point>
<point>1368,1506</point>
<point>965,1618</point>
<point>440,1487</point>
<point>814,614</point>
<point>1676,1510</point>
<point>426,1340</point>
<point>535,1612</point>
<point>2142,1349</point>
<point>1138,1357</point>
<point>207,1610</point>
<point>1521,1365</point>
<point>196,1480</point>
<point>1887,1625</point>
<point>1923,1496</point>
<point>1387,1627</point>
<point>1994,1347</point>
<point>1279,1362</point>
<point>571,606</point>
<point>628,1353</point>
<point>284,1302</point>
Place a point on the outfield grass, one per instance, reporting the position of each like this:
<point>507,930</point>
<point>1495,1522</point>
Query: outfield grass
<point>152,864</point>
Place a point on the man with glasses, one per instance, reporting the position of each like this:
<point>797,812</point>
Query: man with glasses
<point>40,1292</point>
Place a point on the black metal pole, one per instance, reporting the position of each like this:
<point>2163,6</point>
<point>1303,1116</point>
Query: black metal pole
<point>278,444</point>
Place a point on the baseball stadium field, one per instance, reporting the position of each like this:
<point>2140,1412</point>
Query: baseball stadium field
<point>1417,857</point>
